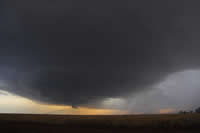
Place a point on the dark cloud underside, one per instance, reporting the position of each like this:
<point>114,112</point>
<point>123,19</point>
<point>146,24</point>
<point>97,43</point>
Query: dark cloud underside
<point>72,52</point>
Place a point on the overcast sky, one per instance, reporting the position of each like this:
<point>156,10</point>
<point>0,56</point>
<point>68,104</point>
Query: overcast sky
<point>138,56</point>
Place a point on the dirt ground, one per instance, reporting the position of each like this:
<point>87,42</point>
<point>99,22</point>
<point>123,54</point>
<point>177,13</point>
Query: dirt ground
<point>22,123</point>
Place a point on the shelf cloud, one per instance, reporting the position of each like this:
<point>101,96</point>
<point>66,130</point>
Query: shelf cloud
<point>78,52</point>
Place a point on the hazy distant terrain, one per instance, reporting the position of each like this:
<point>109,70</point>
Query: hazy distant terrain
<point>23,123</point>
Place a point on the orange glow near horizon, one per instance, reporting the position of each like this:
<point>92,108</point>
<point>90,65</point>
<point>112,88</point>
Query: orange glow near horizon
<point>167,111</point>
<point>10,103</point>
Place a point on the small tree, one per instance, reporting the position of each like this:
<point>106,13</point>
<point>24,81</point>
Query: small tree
<point>197,110</point>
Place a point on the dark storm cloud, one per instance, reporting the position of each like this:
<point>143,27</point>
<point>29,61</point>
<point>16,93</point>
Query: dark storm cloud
<point>73,52</point>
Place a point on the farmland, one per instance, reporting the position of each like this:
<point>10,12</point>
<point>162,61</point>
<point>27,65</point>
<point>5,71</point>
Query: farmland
<point>183,123</point>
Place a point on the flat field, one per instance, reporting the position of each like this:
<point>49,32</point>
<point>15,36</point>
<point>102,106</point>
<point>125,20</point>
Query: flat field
<point>29,123</point>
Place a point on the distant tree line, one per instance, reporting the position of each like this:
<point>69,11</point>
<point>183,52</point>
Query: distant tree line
<point>197,110</point>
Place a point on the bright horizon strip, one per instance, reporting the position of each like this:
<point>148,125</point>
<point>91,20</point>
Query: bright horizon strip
<point>10,103</point>
<point>167,111</point>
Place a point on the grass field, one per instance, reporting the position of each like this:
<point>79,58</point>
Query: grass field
<point>25,123</point>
